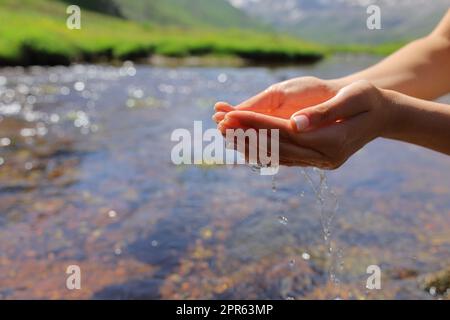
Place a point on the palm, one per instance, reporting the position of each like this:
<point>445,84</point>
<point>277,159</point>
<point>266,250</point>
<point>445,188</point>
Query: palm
<point>285,98</point>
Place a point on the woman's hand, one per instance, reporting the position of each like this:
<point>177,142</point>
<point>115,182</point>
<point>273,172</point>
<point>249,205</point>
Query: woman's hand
<point>285,98</point>
<point>327,134</point>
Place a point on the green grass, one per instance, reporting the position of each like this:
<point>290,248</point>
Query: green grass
<point>34,32</point>
<point>381,49</point>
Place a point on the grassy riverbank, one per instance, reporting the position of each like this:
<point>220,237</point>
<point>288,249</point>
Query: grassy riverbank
<point>34,32</point>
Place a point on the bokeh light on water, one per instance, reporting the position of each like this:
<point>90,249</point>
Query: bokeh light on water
<point>86,179</point>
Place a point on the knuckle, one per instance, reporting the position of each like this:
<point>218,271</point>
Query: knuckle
<point>323,114</point>
<point>365,89</point>
<point>364,85</point>
<point>310,79</point>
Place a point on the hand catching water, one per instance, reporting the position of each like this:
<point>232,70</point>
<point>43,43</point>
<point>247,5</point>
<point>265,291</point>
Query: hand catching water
<point>324,135</point>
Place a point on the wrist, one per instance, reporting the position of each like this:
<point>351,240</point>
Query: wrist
<point>340,83</point>
<point>393,117</point>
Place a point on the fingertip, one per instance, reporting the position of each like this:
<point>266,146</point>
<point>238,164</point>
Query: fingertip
<point>230,119</point>
<point>223,107</point>
<point>300,122</point>
<point>218,116</point>
<point>221,127</point>
<point>237,114</point>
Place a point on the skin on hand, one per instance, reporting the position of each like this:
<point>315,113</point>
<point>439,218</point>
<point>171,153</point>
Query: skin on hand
<point>285,98</point>
<point>321,127</point>
<point>336,128</point>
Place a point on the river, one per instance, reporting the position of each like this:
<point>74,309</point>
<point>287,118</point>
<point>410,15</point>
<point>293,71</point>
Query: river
<point>86,179</point>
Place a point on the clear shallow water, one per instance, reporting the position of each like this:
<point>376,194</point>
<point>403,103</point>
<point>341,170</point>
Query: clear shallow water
<point>86,179</point>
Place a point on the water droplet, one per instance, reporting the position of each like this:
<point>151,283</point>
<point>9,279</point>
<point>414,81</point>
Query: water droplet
<point>10,109</point>
<point>154,243</point>
<point>131,103</point>
<point>28,165</point>
<point>138,93</point>
<point>31,99</point>
<point>28,132</point>
<point>222,78</point>
<point>306,256</point>
<point>94,128</point>
<point>4,142</point>
<point>112,213</point>
<point>54,118</point>
<point>283,220</point>
<point>128,63</point>
<point>79,86</point>
<point>65,91</point>
<point>131,71</point>
<point>23,89</point>
<point>81,119</point>
<point>433,291</point>
<point>118,251</point>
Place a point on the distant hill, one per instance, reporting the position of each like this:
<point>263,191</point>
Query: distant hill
<point>35,32</point>
<point>187,13</point>
<point>344,21</point>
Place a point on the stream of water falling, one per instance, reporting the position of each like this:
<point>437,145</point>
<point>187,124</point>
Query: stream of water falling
<point>328,204</point>
<point>328,207</point>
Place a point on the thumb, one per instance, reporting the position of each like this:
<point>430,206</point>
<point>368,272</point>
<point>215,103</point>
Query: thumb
<point>339,107</point>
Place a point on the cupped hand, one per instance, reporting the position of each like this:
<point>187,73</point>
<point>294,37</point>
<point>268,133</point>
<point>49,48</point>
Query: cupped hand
<point>285,98</point>
<point>327,134</point>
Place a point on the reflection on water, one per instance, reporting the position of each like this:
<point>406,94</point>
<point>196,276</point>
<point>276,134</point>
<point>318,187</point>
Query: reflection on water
<point>86,179</point>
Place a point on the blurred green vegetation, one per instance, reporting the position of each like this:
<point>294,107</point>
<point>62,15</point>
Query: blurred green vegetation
<point>185,13</point>
<point>34,32</point>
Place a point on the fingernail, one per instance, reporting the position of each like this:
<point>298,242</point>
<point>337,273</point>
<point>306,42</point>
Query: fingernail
<point>302,122</point>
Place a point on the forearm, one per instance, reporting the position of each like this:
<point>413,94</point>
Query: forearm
<point>420,69</point>
<point>417,121</point>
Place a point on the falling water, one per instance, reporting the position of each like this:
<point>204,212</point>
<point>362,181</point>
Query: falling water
<point>328,206</point>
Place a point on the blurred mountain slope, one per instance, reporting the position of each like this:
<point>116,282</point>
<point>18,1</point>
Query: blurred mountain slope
<point>344,21</point>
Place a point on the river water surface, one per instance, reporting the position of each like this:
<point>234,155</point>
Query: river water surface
<point>86,179</point>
